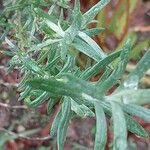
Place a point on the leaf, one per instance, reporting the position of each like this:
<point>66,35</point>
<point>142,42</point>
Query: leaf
<point>72,31</point>
<point>43,14</point>
<point>64,48</point>
<point>32,65</point>
<point>93,31</point>
<point>133,5</point>
<point>38,101</point>
<point>87,74</point>
<point>104,77</point>
<point>134,127</point>
<point>53,53</point>
<point>55,28</point>
<point>48,42</point>
<point>52,63</point>
<point>65,85</point>
<point>119,127</point>
<point>119,15</point>
<point>141,68</point>
<point>70,34</point>
<point>101,128</point>
<point>25,93</point>
<point>50,105</point>
<point>98,51</point>
<point>85,48</point>
<point>137,111</point>
<point>137,49</point>
<point>76,9</point>
<point>81,110</point>
<point>54,127</point>
<point>132,96</point>
<point>13,46</point>
<point>68,65</point>
<point>120,68</point>
<point>64,122</point>
<point>91,13</point>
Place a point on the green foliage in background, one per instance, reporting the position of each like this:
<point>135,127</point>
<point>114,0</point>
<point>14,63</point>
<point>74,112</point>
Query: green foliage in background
<point>46,44</point>
<point>119,26</point>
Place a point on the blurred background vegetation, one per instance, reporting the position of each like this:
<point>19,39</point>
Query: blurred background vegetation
<point>23,128</point>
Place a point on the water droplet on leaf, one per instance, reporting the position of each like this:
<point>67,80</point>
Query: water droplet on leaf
<point>132,83</point>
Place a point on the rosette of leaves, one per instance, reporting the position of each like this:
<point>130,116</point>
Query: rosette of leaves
<point>51,73</point>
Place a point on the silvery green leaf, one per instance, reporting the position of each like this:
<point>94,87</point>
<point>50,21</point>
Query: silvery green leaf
<point>52,63</point>
<point>93,31</point>
<point>141,68</point>
<point>55,28</point>
<point>134,127</point>
<point>93,44</point>
<point>81,110</point>
<point>104,76</point>
<point>64,85</point>
<point>131,96</point>
<point>54,127</point>
<point>138,111</point>
<point>87,74</point>
<point>63,124</point>
<point>91,13</point>
<point>48,42</point>
<point>120,68</point>
<point>101,128</point>
<point>50,104</point>
<point>119,127</point>
<point>43,14</point>
<point>85,48</point>
<point>38,101</point>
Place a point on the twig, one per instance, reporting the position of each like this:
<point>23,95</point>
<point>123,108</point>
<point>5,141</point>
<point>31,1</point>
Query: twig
<point>25,137</point>
<point>8,84</point>
<point>2,67</point>
<point>141,29</point>
<point>13,107</point>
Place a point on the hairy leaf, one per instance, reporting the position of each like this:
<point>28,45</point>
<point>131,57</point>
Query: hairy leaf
<point>101,128</point>
<point>119,127</point>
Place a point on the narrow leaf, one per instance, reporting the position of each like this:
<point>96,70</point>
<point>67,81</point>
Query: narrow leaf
<point>64,122</point>
<point>38,101</point>
<point>38,47</point>
<point>137,111</point>
<point>87,74</point>
<point>52,63</point>
<point>91,13</point>
<point>101,128</point>
<point>134,127</point>
<point>93,31</point>
<point>120,68</point>
<point>93,44</point>
<point>85,48</point>
<point>141,68</point>
<point>55,28</point>
<point>50,105</point>
<point>104,77</point>
<point>25,93</point>
<point>81,110</point>
<point>119,127</point>
<point>132,96</point>
<point>54,127</point>
<point>64,85</point>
